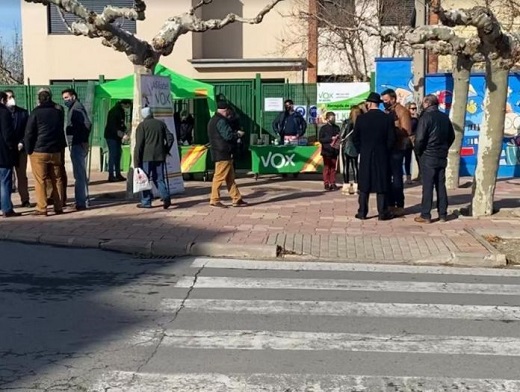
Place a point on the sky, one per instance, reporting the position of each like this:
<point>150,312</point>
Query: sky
<point>10,19</point>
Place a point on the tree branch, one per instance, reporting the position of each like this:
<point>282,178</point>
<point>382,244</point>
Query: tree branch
<point>176,26</point>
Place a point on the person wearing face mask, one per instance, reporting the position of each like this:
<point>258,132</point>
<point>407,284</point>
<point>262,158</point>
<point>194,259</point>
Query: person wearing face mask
<point>329,151</point>
<point>289,122</point>
<point>403,130</point>
<point>78,134</point>
<point>20,117</point>
<point>8,149</point>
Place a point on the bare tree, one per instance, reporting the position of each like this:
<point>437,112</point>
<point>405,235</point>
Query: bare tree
<point>11,60</point>
<point>353,33</point>
<point>142,54</point>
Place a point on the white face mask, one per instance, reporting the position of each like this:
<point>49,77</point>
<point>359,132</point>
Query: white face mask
<point>11,102</point>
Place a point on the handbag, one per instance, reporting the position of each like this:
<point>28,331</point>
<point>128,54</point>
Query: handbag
<point>141,181</point>
<point>336,142</point>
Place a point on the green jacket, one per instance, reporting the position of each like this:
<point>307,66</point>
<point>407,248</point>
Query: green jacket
<point>153,142</point>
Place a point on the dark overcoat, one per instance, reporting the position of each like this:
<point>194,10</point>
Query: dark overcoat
<point>374,137</point>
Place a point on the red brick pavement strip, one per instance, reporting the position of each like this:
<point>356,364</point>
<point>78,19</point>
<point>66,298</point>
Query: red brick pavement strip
<point>296,215</point>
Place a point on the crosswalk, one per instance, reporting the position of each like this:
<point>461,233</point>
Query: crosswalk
<point>318,327</point>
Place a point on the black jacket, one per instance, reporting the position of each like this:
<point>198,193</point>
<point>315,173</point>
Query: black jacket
<point>115,122</point>
<point>20,117</point>
<point>327,132</point>
<point>434,134</point>
<point>222,138</point>
<point>289,124</point>
<point>153,142</point>
<point>78,124</point>
<point>8,142</point>
<point>374,137</point>
<point>44,131</point>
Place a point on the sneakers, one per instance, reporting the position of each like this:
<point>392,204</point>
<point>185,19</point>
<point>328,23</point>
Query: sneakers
<point>420,219</point>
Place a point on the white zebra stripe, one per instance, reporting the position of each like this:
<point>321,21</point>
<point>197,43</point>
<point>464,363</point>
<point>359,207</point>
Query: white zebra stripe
<point>348,267</point>
<point>347,309</point>
<point>318,341</point>
<point>211,382</point>
<point>348,285</point>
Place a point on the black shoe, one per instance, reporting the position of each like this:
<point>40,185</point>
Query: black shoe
<point>360,217</point>
<point>80,208</point>
<point>385,217</point>
<point>443,219</point>
<point>112,179</point>
<point>11,214</point>
<point>326,187</point>
<point>26,204</point>
<point>120,178</point>
<point>333,187</point>
<point>140,205</point>
<point>167,203</point>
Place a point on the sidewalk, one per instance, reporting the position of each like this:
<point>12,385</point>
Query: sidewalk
<point>296,215</point>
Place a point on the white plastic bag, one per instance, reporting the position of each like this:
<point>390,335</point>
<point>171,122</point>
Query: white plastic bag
<point>141,181</point>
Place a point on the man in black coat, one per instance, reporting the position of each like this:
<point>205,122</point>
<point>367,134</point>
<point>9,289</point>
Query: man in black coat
<point>8,150</point>
<point>44,143</point>
<point>20,117</point>
<point>433,139</point>
<point>152,146</point>
<point>115,133</point>
<point>374,138</point>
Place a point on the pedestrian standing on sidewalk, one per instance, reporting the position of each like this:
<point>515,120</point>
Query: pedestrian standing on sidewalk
<point>78,133</point>
<point>20,117</point>
<point>433,139</point>
<point>350,154</point>
<point>152,146</point>
<point>402,129</point>
<point>8,152</point>
<point>374,138</point>
<point>412,108</point>
<point>222,141</point>
<point>115,134</point>
<point>45,142</point>
<point>329,140</point>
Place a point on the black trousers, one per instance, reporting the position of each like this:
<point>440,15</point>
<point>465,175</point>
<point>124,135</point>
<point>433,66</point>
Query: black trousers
<point>433,172</point>
<point>348,164</point>
<point>363,204</point>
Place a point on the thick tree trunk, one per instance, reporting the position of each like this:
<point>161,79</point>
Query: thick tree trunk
<point>461,73</point>
<point>136,119</point>
<point>490,139</point>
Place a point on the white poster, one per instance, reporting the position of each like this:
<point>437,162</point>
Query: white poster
<point>273,104</point>
<point>156,93</point>
<point>339,98</point>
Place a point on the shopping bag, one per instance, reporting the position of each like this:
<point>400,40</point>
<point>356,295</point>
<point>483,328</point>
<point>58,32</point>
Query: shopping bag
<point>141,181</point>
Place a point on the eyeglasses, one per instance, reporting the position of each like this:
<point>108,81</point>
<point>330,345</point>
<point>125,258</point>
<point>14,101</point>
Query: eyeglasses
<point>413,108</point>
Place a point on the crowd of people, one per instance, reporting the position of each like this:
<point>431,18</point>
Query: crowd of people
<point>42,138</point>
<point>375,145</point>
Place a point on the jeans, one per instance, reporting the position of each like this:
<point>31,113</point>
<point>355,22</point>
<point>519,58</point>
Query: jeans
<point>78,155</point>
<point>114,158</point>
<point>329,170</point>
<point>155,172</point>
<point>396,194</point>
<point>6,187</point>
<point>433,171</point>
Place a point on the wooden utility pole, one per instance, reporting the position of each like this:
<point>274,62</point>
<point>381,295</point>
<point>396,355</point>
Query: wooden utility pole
<point>312,45</point>
<point>419,56</point>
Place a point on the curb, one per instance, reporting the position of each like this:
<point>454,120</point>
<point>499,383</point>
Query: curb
<point>148,248</point>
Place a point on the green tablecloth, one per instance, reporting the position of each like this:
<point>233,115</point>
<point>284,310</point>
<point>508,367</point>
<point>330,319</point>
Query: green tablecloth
<point>194,158</point>
<point>286,159</point>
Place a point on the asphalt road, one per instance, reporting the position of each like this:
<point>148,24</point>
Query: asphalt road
<point>83,320</point>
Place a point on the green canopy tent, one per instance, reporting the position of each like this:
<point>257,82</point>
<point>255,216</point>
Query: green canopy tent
<point>182,87</point>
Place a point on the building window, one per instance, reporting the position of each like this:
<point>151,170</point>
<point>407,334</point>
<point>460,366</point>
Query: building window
<point>56,25</point>
<point>336,12</point>
<point>396,12</point>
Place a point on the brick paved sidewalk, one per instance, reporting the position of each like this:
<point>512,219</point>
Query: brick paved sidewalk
<point>296,214</point>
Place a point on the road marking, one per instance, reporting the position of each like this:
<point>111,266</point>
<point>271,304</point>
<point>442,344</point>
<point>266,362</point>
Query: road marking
<point>348,285</point>
<point>321,341</point>
<point>347,309</point>
<point>347,267</point>
<point>212,382</point>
